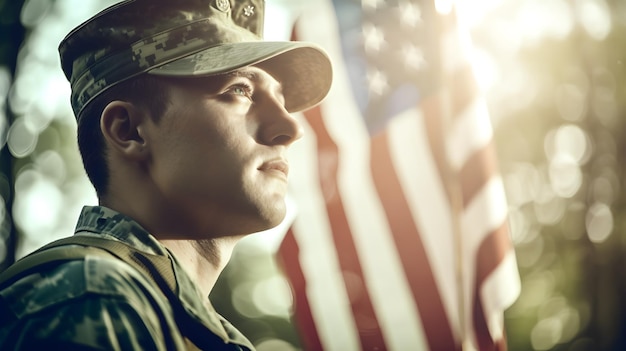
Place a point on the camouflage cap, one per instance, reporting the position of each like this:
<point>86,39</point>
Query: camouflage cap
<point>186,38</point>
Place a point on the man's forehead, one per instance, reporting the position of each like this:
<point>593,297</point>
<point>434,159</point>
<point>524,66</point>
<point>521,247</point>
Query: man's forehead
<point>254,74</point>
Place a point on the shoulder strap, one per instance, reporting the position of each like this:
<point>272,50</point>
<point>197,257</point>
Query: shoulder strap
<point>157,268</point>
<point>24,266</point>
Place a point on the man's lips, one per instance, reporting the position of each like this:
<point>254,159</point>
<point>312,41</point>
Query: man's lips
<point>279,167</point>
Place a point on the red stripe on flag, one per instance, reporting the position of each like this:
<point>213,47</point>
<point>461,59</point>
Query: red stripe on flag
<point>289,254</point>
<point>483,338</point>
<point>493,249</point>
<point>410,248</point>
<point>490,254</point>
<point>364,316</point>
<point>476,171</point>
<point>431,108</point>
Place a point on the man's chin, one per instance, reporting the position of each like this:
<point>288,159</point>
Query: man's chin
<point>272,219</point>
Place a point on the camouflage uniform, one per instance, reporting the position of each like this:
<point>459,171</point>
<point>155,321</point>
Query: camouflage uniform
<point>102,303</point>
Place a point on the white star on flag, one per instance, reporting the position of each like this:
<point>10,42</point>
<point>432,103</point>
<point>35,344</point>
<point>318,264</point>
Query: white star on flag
<point>371,4</point>
<point>377,82</point>
<point>410,14</point>
<point>373,38</point>
<point>414,57</point>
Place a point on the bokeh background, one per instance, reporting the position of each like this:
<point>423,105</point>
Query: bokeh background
<point>553,73</point>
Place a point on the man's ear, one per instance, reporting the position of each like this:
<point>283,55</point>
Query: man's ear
<point>122,126</point>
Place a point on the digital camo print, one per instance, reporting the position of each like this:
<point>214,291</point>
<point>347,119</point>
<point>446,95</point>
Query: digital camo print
<point>120,43</point>
<point>103,303</point>
<point>102,220</point>
<point>186,38</point>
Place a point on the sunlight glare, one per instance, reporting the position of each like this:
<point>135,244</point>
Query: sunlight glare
<point>444,7</point>
<point>599,222</point>
<point>473,12</point>
<point>595,17</point>
<point>544,19</point>
<point>485,69</point>
<point>38,203</point>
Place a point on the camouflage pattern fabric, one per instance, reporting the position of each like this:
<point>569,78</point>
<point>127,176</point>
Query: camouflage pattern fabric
<point>172,29</point>
<point>102,303</point>
<point>186,38</point>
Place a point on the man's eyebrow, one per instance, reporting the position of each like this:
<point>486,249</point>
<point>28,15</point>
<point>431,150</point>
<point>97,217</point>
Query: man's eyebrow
<point>242,73</point>
<point>249,74</point>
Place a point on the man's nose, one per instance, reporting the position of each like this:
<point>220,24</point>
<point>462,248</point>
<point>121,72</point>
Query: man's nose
<point>277,126</point>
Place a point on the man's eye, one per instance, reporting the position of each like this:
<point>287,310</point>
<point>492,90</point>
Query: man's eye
<point>243,90</point>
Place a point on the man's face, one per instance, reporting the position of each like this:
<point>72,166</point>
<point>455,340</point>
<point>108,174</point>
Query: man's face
<point>218,153</point>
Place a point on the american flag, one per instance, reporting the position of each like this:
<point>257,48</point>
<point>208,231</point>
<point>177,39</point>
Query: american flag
<point>400,240</point>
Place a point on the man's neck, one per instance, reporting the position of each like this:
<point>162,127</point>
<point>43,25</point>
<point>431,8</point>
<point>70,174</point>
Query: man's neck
<point>178,230</point>
<point>202,260</point>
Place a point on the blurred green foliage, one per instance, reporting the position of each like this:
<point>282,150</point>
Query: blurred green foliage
<point>12,32</point>
<point>572,285</point>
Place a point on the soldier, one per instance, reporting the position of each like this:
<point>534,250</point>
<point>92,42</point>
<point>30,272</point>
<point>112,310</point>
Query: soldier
<point>183,116</point>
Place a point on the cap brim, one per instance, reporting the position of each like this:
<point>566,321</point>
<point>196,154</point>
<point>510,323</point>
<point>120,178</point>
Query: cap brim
<point>303,69</point>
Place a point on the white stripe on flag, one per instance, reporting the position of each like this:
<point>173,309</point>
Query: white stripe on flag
<point>486,213</point>
<point>384,275</point>
<point>498,292</point>
<point>469,132</point>
<point>428,203</point>
<point>327,297</point>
